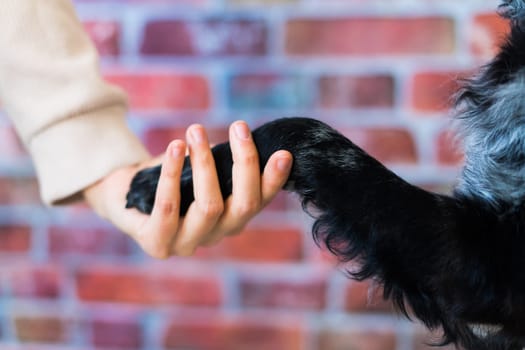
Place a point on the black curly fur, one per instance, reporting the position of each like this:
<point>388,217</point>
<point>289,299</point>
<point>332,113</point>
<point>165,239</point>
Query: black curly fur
<point>454,261</point>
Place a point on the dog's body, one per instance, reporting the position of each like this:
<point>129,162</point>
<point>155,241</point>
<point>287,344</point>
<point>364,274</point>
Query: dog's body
<point>455,262</point>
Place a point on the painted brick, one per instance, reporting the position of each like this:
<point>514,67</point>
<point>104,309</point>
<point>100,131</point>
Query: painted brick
<point>40,329</point>
<point>163,91</point>
<point>36,282</point>
<point>157,139</point>
<point>433,91</point>
<point>357,340</point>
<point>15,239</point>
<point>356,91</point>
<point>269,91</point>
<point>106,284</point>
<point>259,244</point>
<point>119,334</point>
<point>370,36</point>
<point>487,33</point>
<point>288,293</point>
<point>363,297</point>
<point>233,334</point>
<point>19,190</point>
<point>90,241</point>
<point>448,149</point>
<point>105,35</point>
<point>387,145</point>
<point>212,37</point>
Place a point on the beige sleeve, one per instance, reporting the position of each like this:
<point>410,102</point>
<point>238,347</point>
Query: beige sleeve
<point>71,121</point>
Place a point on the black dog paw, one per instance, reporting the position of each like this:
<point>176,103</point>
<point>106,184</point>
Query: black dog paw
<point>144,185</point>
<point>142,190</point>
<point>318,151</point>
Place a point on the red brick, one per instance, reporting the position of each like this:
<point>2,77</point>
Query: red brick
<point>105,35</point>
<point>92,241</point>
<point>157,139</point>
<point>269,91</point>
<point>364,297</point>
<point>164,91</point>
<point>487,33</point>
<point>233,334</point>
<point>370,36</point>
<point>263,244</point>
<point>392,145</point>
<point>307,294</point>
<point>433,91</point>
<point>213,37</point>
<point>357,340</point>
<point>15,239</point>
<point>36,282</point>
<point>121,334</point>
<point>448,149</point>
<point>356,91</point>
<point>19,190</point>
<point>148,287</point>
<point>40,329</point>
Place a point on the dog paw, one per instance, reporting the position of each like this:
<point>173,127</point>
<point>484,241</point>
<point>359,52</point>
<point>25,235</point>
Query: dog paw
<point>143,187</point>
<point>141,194</point>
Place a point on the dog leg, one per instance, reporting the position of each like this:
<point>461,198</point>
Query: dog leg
<point>452,260</point>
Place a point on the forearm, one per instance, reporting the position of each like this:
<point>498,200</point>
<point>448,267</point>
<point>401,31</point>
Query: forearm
<point>70,120</point>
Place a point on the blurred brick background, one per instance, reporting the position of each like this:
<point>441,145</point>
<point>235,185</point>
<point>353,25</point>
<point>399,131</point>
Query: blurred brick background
<point>381,71</point>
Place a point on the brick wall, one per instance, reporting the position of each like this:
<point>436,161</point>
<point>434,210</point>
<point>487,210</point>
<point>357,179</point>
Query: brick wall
<point>380,71</point>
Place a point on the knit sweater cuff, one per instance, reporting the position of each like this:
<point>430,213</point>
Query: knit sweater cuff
<point>76,152</point>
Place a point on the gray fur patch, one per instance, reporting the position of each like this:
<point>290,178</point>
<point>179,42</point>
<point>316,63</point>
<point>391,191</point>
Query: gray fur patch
<point>512,9</point>
<point>494,146</point>
<point>484,330</point>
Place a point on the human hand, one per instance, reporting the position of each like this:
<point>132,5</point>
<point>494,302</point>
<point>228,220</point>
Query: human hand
<point>209,217</point>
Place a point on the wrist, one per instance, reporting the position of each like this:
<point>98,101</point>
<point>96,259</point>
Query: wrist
<point>93,196</point>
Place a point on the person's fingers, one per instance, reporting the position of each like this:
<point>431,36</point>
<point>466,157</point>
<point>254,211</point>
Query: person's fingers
<point>208,205</point>
<point>251,191</point>
<point>246,174</point>
<point>275,175</point>
<point>155,161</point>
<point>159,230</point>
<point>245,200</point>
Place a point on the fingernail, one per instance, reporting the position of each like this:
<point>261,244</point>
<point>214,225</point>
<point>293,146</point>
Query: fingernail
<point>242,131</point>
<point>177,150</point>
<point>283,164</point>
<point>197,134</point>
